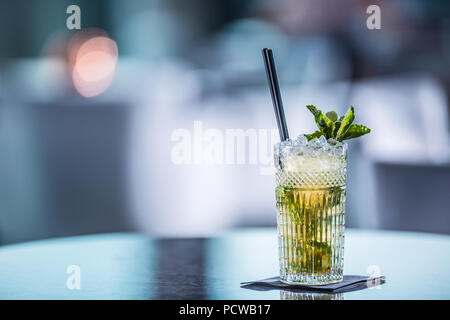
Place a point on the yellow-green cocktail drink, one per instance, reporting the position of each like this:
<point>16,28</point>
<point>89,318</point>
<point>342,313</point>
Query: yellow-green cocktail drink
<point>310,194</point>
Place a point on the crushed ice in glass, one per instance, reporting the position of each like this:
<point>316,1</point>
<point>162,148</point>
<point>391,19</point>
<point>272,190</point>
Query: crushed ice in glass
<point>317,154</point>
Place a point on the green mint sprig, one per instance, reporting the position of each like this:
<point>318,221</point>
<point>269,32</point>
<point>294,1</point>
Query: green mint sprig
<point>332,127</point>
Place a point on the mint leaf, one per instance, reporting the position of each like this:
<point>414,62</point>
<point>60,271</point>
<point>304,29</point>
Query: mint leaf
<point>316,134</point>
<point>355,131</point>
<point>337,125</point>
<point>332,115</point>
<point>346,123</point>
<point>323,122</point>
<point>333,127</point>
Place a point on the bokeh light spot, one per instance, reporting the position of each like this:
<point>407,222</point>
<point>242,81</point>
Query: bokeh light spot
<point>94,65</point>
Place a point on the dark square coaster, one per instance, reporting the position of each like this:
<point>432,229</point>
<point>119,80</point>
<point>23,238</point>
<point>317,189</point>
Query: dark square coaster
<point>350,283</point>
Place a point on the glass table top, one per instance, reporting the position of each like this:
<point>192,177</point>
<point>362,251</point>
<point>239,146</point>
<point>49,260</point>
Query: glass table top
<point>135,266</point>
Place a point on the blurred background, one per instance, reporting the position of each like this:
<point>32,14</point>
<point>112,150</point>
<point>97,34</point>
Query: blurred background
<point>91,120</point>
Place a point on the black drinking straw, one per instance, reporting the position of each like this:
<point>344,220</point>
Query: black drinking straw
<point>275,92</point>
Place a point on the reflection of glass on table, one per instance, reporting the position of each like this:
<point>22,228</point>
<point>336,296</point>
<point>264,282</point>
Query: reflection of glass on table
<point>289,295</point>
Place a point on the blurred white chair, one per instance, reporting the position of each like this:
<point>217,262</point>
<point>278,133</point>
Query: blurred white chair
<point>410,136</point>
<point>408,116</point>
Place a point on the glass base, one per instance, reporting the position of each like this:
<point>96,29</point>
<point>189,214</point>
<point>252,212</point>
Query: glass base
<point>312,280</point>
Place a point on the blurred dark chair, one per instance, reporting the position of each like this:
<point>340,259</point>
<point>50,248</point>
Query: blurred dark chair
<point>413,197</point>
<point>65,170</point>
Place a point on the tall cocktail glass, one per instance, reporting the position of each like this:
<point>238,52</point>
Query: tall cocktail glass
<point>310,194</point>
